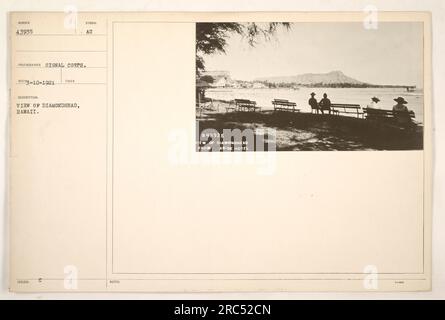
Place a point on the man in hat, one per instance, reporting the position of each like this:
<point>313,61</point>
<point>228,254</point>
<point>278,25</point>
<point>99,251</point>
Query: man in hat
<point>401,112</point>
<point>374,102</point>
<point>325,104</point>
<point>313,102</point>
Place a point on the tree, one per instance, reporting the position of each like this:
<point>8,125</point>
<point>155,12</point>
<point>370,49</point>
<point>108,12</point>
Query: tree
<point>208,79</point>
<point>212,37</point>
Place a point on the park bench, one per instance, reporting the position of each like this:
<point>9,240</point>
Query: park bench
<point>338,108</point>
<point>207,105</point>
<point>313,109</point>
<point>230,108</point>
<point>284,105</point>
<point>371,113</point>
<point>246,105</point>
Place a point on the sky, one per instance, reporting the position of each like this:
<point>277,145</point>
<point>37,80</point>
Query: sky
<point>391,54</point>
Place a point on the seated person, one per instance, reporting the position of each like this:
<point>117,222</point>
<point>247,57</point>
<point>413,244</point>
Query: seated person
<point>373,105</point>
<point>313,103</point>
<point>401,112</point>
<point>374,102</point>
<point>325,104</point>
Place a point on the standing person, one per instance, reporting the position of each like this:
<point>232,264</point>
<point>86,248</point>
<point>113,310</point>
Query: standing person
<point>325,104</point>
<point>374,102</point>
<point>313,103</point>
<point>401,112</point>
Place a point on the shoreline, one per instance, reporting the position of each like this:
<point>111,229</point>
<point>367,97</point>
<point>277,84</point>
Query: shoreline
<point>359,96</point>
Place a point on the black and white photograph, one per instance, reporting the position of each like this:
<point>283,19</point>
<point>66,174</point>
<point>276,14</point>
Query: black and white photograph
<point>309,86</point>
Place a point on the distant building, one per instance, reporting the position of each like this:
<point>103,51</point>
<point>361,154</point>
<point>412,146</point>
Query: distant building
<point>220,83</point>
<point>221,79</point>
<point>258,85</point>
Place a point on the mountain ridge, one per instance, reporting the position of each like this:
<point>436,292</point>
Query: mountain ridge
<point>329,78</point>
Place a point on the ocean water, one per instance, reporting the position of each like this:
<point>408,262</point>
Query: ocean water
<point>361,96</point>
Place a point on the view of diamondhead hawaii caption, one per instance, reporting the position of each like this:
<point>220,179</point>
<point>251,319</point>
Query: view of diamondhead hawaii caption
<point>309,86</point>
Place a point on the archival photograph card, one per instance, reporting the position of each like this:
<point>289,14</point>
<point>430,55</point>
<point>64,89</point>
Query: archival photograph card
<point>220,152</point>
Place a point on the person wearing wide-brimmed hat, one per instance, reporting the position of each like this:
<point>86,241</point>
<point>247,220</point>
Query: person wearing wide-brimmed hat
<point>400,106</point>
<point>401,112</point>
<point>313,103</point>
<point>374,103</point>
